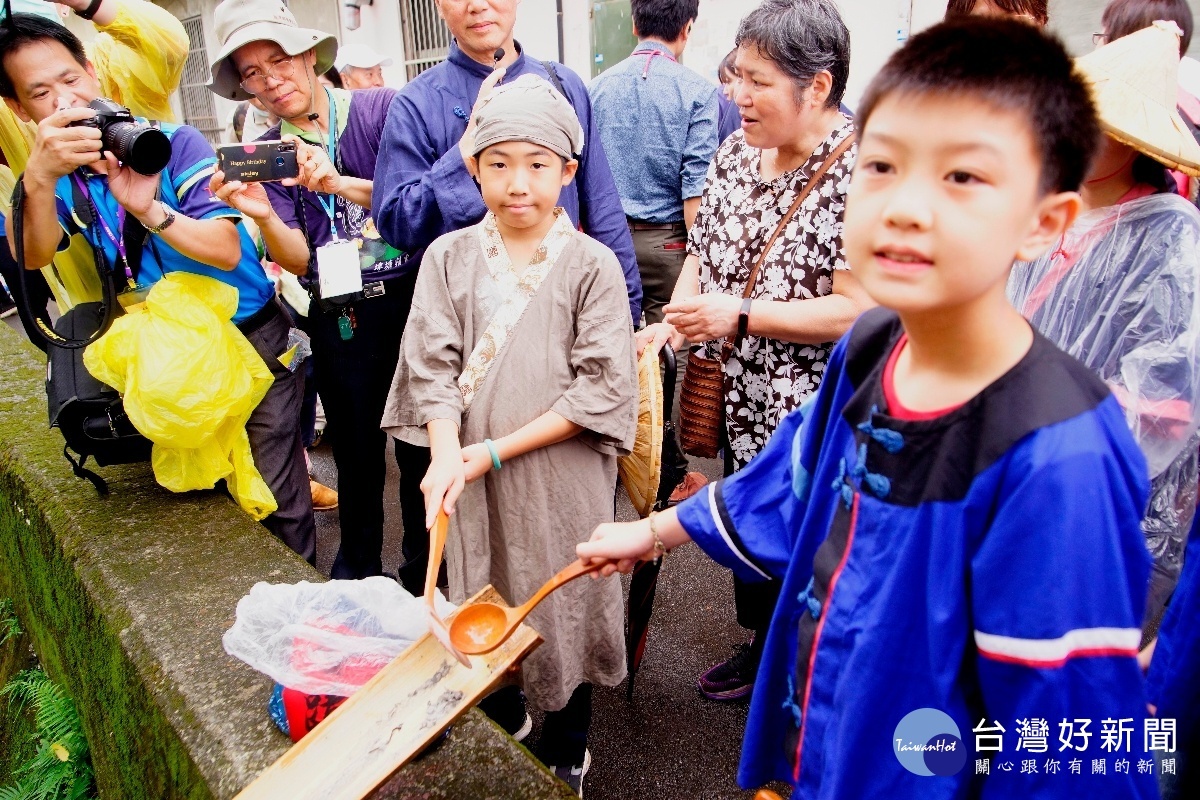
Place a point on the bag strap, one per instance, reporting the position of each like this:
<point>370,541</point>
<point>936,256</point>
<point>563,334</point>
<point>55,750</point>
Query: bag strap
<point>552,71</point>
<point>730,345</point>
<point>29,319</point>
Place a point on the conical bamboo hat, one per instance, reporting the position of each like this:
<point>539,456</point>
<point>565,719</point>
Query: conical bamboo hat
<point>1135,83</point>
<point>640,470</point>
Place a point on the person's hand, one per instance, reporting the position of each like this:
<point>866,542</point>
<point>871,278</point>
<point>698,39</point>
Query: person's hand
<point>317,172</point>
<point>249,198</point>
<point>1146,655</point>
<point>60,149</point>
<point>477,461</point>
<point>705,316</point>
<point>133,190</point>
<point>442,485</point>
<point>466,145</point>
<point>622,544</point>
<point>656,335</point>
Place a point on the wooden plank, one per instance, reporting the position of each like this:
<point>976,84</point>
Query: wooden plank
<point>390,720</point>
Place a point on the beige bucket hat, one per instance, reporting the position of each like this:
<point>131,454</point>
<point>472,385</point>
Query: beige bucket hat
<point>239,22</point>
<point>1135,83</point>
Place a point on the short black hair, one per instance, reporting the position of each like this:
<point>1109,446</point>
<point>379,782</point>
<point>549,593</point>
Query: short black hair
<point>802,38</point>
<point>22,30</point>
<point>727,70</point>
<point>1007,64</point>
<point>1034,8</point>
<point>1123,17</point>
<point>663,19</point>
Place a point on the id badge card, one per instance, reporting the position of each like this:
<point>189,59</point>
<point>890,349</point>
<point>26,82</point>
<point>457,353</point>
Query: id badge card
<point>337,269</point>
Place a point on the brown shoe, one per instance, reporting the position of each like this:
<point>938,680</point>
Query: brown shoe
<point>323,498</point>
<point>692,482</point>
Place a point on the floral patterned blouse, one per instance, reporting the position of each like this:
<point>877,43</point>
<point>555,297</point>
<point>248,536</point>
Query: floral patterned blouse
<point>766,378</point>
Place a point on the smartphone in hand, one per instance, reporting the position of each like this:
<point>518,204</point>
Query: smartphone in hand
<point>255,162</point>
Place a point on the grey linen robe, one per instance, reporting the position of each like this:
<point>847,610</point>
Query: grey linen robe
<point>572,352</point>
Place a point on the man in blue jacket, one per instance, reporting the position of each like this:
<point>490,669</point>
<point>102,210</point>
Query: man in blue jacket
<point>424,189</point>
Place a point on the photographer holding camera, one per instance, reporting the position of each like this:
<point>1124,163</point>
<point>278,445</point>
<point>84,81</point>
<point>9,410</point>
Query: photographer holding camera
<point>88,152</point>
<point>319,225</point>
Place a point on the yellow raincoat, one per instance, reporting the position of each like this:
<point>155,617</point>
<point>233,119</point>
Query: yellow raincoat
<point>139,60</point>
<point>189,379</point>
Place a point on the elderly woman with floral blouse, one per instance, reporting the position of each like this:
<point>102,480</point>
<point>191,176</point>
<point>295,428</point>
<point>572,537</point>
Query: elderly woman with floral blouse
<point>793,58</point>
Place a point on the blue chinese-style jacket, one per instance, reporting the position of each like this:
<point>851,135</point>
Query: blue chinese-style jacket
<point>987,563</point>
<point>423,189</point>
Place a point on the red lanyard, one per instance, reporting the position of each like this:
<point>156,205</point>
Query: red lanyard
<point>650,54</point>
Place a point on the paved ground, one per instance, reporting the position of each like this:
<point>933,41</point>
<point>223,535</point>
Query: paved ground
<point>669,742</point>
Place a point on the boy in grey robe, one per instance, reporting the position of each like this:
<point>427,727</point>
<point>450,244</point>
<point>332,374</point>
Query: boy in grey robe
<point>517,368</point>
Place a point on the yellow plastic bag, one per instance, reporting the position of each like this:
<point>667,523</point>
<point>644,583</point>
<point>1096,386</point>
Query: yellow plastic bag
<point>189,379</point>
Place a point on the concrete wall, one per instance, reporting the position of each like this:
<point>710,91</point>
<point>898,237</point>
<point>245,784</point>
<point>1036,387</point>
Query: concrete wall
<point>125,599</point>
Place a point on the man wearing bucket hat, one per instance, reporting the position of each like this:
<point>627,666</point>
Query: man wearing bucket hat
<point>1119,292</point>
<point>319,227</point>
<point>360,66</point>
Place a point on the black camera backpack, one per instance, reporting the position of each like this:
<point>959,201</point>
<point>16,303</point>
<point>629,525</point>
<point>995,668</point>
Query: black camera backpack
<point>88,413</point>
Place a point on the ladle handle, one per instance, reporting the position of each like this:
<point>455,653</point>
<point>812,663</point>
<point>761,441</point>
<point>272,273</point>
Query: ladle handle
<point>566,575</point>
<point>437,542</point>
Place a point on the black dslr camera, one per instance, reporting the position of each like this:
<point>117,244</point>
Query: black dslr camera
<point>141,147</point>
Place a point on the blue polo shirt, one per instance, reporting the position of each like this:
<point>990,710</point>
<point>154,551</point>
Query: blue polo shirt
<point>184,189</point>
<point>661,118</point>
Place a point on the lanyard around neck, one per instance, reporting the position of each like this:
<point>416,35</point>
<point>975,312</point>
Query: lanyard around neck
<point>327,200</point>
<point>116,238</point>
<point>650,54</point>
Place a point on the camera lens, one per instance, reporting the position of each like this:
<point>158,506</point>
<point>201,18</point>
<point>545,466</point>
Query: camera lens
<point>279,161</point>
<point>140,147</point>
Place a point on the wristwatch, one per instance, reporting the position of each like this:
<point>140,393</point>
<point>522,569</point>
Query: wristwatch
<point>91,10</point>
<point>166,223</point>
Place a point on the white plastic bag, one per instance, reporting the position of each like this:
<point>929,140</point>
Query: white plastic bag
<point>327,638</point>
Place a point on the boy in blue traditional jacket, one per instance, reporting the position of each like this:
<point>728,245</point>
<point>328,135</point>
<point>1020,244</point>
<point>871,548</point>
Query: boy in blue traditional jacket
<point>955,518</point>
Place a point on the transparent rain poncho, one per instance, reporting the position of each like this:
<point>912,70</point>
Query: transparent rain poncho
<point>1120,294</point>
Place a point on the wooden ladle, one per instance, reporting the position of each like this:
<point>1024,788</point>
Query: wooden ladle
<point>437,627</point>
<point>482,627</point>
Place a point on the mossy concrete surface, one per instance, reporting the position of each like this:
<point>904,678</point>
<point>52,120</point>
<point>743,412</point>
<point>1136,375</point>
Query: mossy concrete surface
<point>16,726</point>
<point>125,599</point>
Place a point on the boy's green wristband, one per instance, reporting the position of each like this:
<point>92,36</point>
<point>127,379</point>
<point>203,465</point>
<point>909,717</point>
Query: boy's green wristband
<point>491,446</point>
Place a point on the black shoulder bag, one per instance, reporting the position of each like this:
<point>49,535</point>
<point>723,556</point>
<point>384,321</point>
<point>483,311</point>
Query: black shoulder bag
<point>88,413</point>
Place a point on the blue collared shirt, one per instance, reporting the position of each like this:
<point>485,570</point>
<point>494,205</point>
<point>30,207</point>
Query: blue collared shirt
<point>662,119</point>
<point>423,189</point>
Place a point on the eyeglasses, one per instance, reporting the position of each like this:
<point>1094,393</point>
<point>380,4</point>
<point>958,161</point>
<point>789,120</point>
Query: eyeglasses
<point>1099,39</point>
<point>281,70</point>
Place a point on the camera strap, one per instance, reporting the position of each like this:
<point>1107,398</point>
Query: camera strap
<point>108,307</point>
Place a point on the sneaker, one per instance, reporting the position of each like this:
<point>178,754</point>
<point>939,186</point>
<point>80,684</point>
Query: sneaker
<point>692,482</point>
<point>573,776</point>
<point>732,679</point>
<point>523,732</point>
<point>7,308</point>
<point>323,498</point>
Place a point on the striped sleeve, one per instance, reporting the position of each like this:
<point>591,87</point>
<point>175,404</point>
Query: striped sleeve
<point>746,521</point>
<point>1058,588</point>
<point>193,163</point>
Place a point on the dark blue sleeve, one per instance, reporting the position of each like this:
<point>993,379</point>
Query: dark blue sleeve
<point>600,211</point>
<point>746,522</point>
<point>730,118</point>
<point>1174,677</point>
<point>753,521</point>
<point>1058,589</point>
<point>422,187</point>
